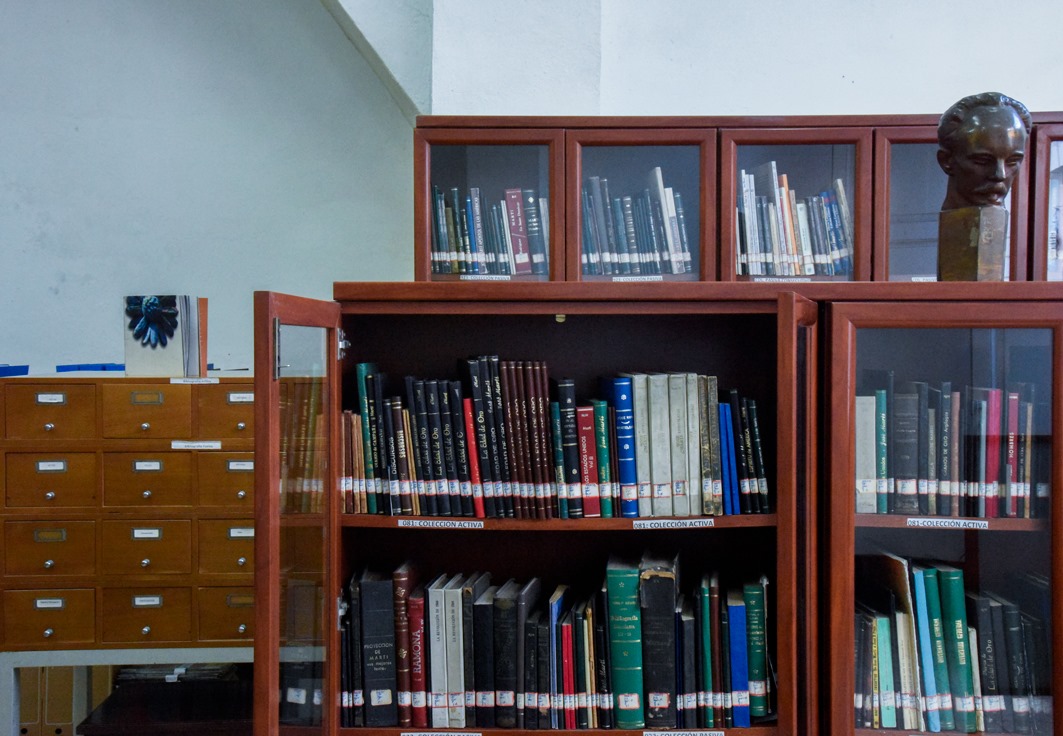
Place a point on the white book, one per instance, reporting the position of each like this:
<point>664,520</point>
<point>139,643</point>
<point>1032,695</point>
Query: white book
<point>804,237</point>
<point>677,414</point>
<point>864,440</point>
<point>693,444</point>
<point>680,258</point>
<point>658,198</point>
<point>660,445</point>
<point>453,635</point>
<point>437,654</point>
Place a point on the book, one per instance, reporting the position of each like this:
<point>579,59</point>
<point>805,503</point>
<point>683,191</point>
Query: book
<point>435,626</point>
<point>483,656</point>
<point>526,599</point>
<point>472,589</point>
<point>453,634</point>
<point>625,642</point>
<point>757,645</point>
<point>586,446</point>
<point>404,579</point>
<point>378,648</point>
<point>517,231</point>
<point>415,607</point>
<point>505,650</point>
<point>738,657</point>
<point>165,335</point>
<point>957,646</point>
<point>565,389</point>
<point>925,647</point>
<point>660,444</point>
<point>658,592</point>
<point>865,438</point>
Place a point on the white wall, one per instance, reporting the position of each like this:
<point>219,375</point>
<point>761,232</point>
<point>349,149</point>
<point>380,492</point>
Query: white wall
<point>210,147</point>
<point>770,57</point>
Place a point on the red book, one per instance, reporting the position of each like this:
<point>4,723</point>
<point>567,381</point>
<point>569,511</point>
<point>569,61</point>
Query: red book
<point>518,232</point>
<point>1011,457</point>
<point>588,461</point>
<point>992,453</point>
<point>568,671</point>
<point>474,461</point>
<point>418,697</point>
<point>403,579</point>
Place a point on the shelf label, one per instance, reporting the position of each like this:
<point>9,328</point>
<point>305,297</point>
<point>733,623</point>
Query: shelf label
<point>439,524</point>
<point>683,733</point>
<point>194,380</point>
<point>484,277</point>
<point>147,466</point>
<point>651,277</point>
<point>147,601</point>
<point>241,532</point>
<point>49,603</point>
<point>699,523</point>
<point>241,397</point>
<point>946,523</point>
<point>195,445</point>
<point>147,533</point>
<point>51,466</point>
<point>241,466</point>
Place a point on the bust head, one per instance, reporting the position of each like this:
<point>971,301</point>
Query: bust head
<point>982,141</point>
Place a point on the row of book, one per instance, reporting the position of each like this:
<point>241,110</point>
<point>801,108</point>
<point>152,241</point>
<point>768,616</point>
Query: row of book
<point>505,441</point>
<point>303,445</point>
<point>641,233</point>
<point>780,234</point>
<point>934,655</point>
<point>935,450</point>
<point>467,650</point>
<point>471,235</point>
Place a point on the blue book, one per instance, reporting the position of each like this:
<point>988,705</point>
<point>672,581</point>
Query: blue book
<point>726,459</point>
<point>736,617</point>
<point>555,609</point>
<point>926,651</point>
<point>559,460</point>
<point>625,446</point>
<point>475,246</point>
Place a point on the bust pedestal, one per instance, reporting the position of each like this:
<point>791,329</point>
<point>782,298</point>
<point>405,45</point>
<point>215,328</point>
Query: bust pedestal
<point>972,242</point>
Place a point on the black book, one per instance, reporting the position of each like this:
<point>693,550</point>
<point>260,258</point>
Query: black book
<point>471,591</point>
<point>602,669</point>
<point>526,600</point>
<point>392,501</point>
<point>416,458</point>
<point>505,649</point>
<point>922,438</point>
<point>687,687</point>
<point>493,384</point>
<point>429,505</point>
<point>1018,669</point>
<point>979,615</point>
<point>741,458</point>
<point>747,448</point>
<point>542,656</point>
<point>461,447</point>
<point>346,694</point>
<point>378,649</point>
<point>487,478</point>
<point>657,599</point>
<point>565,390</point>
<point>945,421</point>
<point>450,464</point>
<point>725,668</point>
<point>533,224</point>
<point>531,669</point>
<point>1038,659</point>
<point>435,447</point>
<point>860,646</point>
<point>483,656</point>
<point>906,452</point>
<point>758,457</point>
<point>374,409</point>
<point>996,615</point>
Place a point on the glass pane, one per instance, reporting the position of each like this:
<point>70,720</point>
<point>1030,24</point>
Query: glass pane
<point>640,212</point>
<point>304,469</point>
<point>795,215</point>
<point>491,211</point>
<point>917,189</point>
<point>1055,206</point>
<point>953,534</point>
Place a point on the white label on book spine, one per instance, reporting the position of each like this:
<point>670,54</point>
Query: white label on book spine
<point>627,701</point>
<point>438,524</point>
<point>940,522</point>
<point>504,698</point>
<point>147,533</point>
<point>296,695</point>
<point>485,698</point>
<point>658,700</point>
<point>195,445</point>
<point>419,699</point>
<point>51,466</point>
<point>1020,704</point>
<point>740,698</point>
<point>590,490</point>
<point>908,487</point>
<point>49,603</point>
<point>662,490</point>
<point>380,697</point>
<point>645,490</point>
<point>699,523</point>
<point>147,466</point>
<point>240,466</point>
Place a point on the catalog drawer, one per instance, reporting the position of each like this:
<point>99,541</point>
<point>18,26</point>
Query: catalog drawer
<point>50,548</point>
<point>226,411</point>
<point>226,546</point>
<point>146,547</point>
<point>146,479</point>
<point>226,613</point>
<point>227,479</point>
<point>50,412</point>
<point>149,410</point>
<point>49,617</point>
<point>51,480</point>
<point>147,615</point>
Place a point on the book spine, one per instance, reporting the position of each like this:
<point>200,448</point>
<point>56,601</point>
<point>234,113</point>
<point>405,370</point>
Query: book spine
<point>657,599</point>
<point>625,636</point>
<point>378,647</point>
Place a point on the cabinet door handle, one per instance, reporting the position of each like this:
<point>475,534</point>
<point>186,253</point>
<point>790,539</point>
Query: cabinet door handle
<point>48,428</point>
<point>49,495</point>
<point>145,562</point>
<point>49,564</point>
<point>145,426</point>
<point>146,494</point>
<point>146,630</point>
<point>48,632</point>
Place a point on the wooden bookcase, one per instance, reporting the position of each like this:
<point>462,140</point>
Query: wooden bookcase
<point>584,331</point>
<point>889,161</point>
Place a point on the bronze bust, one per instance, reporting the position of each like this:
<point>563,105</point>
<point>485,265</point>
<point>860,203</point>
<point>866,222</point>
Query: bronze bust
<point>982,141</point>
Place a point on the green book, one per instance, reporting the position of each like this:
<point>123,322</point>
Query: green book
<point>625,641</point>
<point>361,370</point>
<point>704,624</point>
<point>881,452</point>
<point>937,646</point>
<point>957,647</point>
<point>757,647</point>
<point>887,695</point>
<point>601,442</point>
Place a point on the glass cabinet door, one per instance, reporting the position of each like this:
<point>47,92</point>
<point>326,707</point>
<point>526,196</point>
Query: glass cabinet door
<point>295,343</point>
<point>1047,253</point>
<point>941,517</point>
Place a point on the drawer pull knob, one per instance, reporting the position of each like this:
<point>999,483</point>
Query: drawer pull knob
<point>49,564</point>
<point>241,494</point>
<point>241,629</point>
<point>48,632</point>
<point>145,562</point>
<point>241,561</point>
<point>241,425</point>
<point>145,426</point>
<point>146,494</point>
<point>48,428</point>
<point>146,630</point>
<point>49,495</point>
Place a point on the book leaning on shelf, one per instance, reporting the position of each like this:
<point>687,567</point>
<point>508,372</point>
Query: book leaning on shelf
<point>504,440</point>
<point>475,237</point>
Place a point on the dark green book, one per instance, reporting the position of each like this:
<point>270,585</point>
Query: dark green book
<point>957,647</point>
<point>625,642</point>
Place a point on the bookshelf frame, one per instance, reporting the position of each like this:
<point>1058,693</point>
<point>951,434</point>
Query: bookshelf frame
<point>1044,137</point>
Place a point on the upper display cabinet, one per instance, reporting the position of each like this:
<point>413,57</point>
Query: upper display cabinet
<point>629,199</point>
